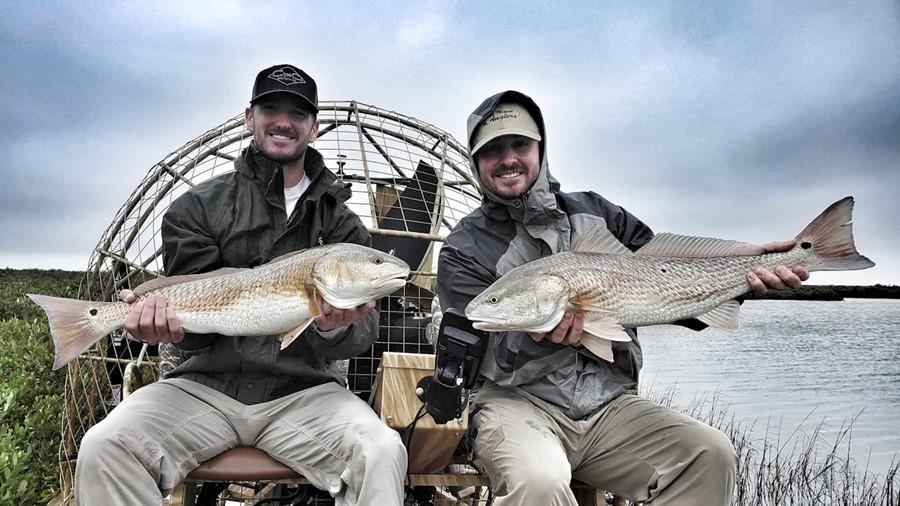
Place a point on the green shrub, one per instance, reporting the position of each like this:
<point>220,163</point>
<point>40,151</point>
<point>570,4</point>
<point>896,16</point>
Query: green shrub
<point>31,394</point>
<point>14,284</point>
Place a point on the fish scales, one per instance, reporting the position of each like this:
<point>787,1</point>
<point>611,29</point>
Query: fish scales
<point>671,278</point>
<point>649,290</point>
<point>272,299</point>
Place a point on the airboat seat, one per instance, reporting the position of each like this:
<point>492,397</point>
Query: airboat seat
<point>243,463</point>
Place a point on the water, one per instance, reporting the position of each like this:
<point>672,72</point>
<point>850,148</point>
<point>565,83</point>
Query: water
<point>794,365</point>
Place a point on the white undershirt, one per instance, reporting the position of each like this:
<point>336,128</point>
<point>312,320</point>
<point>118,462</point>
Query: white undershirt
<point>293,194</point>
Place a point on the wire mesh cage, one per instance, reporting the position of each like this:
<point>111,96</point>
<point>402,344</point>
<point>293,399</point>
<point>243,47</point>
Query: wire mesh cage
<point>411,184</point>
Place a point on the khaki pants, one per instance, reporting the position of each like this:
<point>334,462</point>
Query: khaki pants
<point>154,438</point>
<point>632,447</point>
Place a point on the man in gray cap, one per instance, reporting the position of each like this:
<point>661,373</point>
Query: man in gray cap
<point>548,410</point>
<point>245,391</point>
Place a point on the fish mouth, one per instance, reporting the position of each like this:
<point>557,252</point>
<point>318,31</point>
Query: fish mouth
<point>492,324</point>
<point>392,281</point>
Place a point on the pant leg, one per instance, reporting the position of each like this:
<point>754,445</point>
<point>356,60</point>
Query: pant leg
<point>641,450</point>
<point>332,437</point>
<point>519,446</point>
<point>147,444</point>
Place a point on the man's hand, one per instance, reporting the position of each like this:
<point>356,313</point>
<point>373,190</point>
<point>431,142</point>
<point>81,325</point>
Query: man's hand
<point>761,280</point>
<point>332,317</point>
<point>152,320</point>
<point>567,331</point>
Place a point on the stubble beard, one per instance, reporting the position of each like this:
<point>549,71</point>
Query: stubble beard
<point>284,159</point>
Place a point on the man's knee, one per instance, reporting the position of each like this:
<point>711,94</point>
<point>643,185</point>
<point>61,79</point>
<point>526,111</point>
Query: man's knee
<point>535,479</point>
<point>97,442</point>
<point>380,441</point>
<point>715,449</point>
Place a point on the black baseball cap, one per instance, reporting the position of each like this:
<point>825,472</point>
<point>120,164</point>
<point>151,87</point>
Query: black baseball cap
<point>286,79</point>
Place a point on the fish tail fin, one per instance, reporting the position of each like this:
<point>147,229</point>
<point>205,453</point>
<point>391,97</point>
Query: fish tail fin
<point>74,324</point>
<point>830,236</point>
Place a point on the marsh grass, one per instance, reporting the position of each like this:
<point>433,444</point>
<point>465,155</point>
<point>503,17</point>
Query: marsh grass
<point>804,468</point>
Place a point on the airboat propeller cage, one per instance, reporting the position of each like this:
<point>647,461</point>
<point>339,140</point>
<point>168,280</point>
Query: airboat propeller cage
<point>411,184</point>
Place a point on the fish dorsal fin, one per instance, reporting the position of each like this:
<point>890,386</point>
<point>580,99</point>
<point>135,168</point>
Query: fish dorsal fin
<point>286,255</point>
<point>600,347</point>
<point>164,281</point>
<point>605,328</point>
<point>597,239</point>
<point>725,316</point>
<point>288,337</point>
<point>685,246</point>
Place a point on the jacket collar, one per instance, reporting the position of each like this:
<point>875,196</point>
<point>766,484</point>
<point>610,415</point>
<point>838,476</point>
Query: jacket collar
<point>267,173</point>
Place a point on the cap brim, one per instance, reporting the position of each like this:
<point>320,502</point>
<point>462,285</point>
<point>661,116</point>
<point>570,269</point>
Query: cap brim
<point>501,133</point>
<point>307,102</point>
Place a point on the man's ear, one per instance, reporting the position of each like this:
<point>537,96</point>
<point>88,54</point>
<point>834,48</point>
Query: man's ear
<point>248,118</point>
<point>313,132</point>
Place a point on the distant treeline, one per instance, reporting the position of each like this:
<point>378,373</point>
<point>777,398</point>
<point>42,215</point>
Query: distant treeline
<point>832,292</point>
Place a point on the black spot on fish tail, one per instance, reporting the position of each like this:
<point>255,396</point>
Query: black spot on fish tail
<point>93,312</point>
<point>806,245</point>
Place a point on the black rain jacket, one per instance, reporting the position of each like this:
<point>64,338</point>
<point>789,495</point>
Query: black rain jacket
<point>238,220</point>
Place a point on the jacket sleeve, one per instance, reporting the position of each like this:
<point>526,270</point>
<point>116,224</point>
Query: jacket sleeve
<point>354,339</point>
<point>459,278</point>
<point>189,247</point>
<point>629,230</point>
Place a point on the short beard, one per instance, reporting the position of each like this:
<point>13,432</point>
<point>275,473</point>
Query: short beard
<point>288,159</point>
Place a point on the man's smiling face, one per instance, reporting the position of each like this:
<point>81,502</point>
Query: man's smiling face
<point>282,127</point>
<point>509,165</point>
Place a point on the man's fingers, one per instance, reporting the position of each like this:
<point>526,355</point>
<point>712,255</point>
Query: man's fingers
<point>778,246</point>
<point>147,322</point>
<point>160,323</point>
<point>787,277</point>
<point>537,336</point>
<point>562,329</point>
<point>756,284</point>
<point>801,272</point>
<point>176,332</point>
<point>574,335</point>
<point>133,319</point>
<point>127,296</point>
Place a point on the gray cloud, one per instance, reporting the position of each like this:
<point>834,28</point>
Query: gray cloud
<point>724,118</point>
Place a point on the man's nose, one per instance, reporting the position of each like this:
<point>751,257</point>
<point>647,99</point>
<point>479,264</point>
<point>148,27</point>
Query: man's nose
<point>508,156</point>
<point>282,118</point>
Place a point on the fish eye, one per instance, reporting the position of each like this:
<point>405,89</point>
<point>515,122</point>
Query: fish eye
<point>493,299</point>
<point>378,260</point>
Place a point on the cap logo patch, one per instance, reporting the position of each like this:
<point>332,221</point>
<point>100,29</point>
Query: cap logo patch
<point>502,114</point>
<point>287,76</point>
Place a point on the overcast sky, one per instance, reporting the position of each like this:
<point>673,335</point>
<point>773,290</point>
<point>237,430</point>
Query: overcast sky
<point>736,119</point>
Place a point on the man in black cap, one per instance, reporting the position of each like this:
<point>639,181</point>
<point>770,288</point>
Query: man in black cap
<point>245,391</point>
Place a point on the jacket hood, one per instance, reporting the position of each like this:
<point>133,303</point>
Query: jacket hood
<point>538,203</point>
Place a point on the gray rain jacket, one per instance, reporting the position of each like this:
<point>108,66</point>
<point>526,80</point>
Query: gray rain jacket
<point>238,220</point>
<point>502,234</point>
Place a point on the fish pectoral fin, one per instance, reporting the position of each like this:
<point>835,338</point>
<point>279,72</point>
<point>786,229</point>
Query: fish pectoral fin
<point>600,347</point>
<point>288,337</point>
<point>605,328</point>
<point>312,300</point>
<point>725,316</point>
<point>591,308</point>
